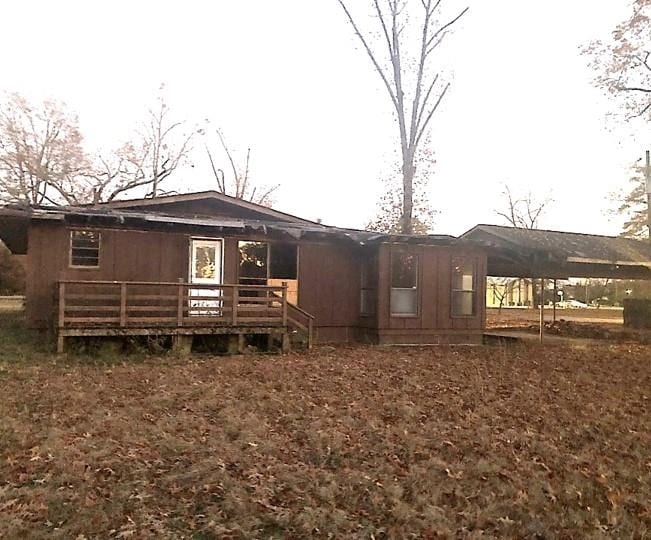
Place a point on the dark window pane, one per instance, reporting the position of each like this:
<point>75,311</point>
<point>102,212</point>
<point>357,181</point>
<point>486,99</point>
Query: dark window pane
<point>78,261</point>
<point>283,261</point>
<point>404,270</point>
<point>253,263</point>
<point>84,248</point>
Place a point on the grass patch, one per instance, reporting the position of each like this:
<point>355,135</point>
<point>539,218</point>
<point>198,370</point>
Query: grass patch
<point>20,344</point>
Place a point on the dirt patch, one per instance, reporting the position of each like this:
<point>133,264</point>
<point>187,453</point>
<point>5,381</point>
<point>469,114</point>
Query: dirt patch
<point>583,330</point>
<point>353,442</point>
<point>496,318</point>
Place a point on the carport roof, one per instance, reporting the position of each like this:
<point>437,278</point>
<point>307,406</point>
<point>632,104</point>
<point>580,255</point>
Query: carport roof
<point>541,253</point>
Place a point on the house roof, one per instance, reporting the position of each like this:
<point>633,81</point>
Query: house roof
<point>166,202</point>
<point>15,220</point>
<point>534,252</point>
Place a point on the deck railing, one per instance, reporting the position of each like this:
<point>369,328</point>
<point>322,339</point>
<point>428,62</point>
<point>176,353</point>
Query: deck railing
<point>301,320</point>
<point>123,304</point>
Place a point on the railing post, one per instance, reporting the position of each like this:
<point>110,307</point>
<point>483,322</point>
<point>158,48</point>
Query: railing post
<point>179,304</point>
<point>61,317</point>
<point>62,304</point>
<point>542,309</point>
<point>123,304</point>
<point>236,300</point>
<point>310,332</point>
<point>284,303</point>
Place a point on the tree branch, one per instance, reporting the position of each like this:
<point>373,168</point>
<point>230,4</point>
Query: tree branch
<point>391,91</point>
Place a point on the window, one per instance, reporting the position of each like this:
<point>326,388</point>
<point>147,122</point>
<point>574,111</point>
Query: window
<point>368,286</point>
<point>463,288</point>
<point>283,261</point>
<point>260,261</point>
<point>84,248</point>
<point>253,263</point>
<point>404,284</point>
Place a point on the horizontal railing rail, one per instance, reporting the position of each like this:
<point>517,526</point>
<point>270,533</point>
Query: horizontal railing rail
<point>121,304</point>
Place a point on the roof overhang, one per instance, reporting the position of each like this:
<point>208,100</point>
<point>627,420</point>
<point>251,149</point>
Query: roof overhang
<point>14,226</point>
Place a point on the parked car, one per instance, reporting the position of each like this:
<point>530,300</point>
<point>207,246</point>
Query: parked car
<point>571,304</point>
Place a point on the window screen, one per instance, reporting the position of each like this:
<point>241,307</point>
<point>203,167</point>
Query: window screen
<point>84,248</point>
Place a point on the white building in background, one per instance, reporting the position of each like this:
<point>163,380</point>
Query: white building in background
<point>509,292</point>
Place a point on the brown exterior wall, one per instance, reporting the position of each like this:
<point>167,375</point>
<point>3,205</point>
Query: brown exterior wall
<point>434,316</point>
<point>328,275</point>
<point>326,289</point>
<point>125,255</point>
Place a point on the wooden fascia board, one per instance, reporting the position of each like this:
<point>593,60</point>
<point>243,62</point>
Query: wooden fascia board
<point>584,260</point>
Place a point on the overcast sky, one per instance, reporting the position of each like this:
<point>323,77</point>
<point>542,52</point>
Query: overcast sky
<point>288,78</point>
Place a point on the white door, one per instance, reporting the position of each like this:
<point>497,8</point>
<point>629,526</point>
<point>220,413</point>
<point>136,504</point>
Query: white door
<point>206,269</point>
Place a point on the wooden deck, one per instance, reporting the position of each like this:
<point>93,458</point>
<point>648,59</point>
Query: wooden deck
<point>136,308</point>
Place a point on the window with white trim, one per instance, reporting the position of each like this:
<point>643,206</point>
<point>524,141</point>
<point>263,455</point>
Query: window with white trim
<point>463,287</point>
<point>84,248</point>
<point>404,284</point>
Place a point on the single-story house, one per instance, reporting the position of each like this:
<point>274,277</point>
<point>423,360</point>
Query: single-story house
<point>207,263</point>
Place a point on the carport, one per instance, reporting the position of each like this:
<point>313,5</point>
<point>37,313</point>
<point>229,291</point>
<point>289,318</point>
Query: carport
<point>542,254</point>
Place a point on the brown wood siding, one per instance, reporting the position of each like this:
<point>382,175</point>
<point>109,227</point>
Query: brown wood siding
<point>328,273</point>
<point>434,282</point>
<point>328,283</point>
<point>329,278</point>
<point>125,255</point>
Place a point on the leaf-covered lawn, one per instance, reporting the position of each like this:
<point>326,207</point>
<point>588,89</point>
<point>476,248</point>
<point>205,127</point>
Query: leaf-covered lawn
<point>352,442</point>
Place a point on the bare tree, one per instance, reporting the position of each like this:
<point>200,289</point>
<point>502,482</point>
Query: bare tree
<point>159,148</point>
<point>41,153</point>
<point>523,212</point>
<point>414,107</point>
<point>388,216</point>
<point>622,65</point>
<point>240,185</point>
<point>499,287</point>
<point>42,159</point>
<point>162,147</point>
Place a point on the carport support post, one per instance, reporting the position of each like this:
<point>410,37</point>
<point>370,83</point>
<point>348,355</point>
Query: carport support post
<point>554,302</point>
<point>542,309</point>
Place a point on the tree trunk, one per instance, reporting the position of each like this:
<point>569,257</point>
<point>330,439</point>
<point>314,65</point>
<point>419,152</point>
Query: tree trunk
<point>408,171</point>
